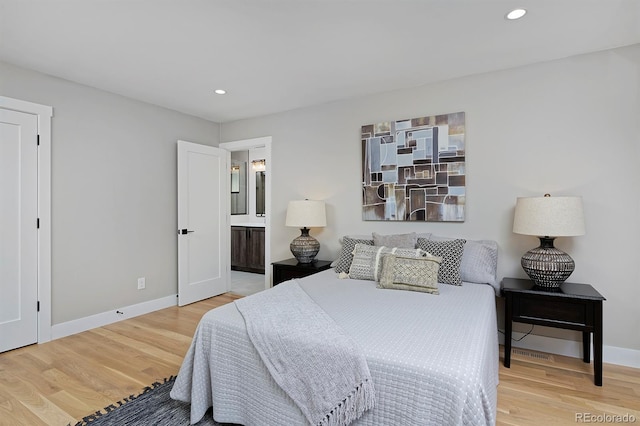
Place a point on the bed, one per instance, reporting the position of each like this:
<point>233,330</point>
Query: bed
<point>433,358</point>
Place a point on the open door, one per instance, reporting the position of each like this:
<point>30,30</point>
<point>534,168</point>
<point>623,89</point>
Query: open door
<point>19,236</point>
<point>203,202</point>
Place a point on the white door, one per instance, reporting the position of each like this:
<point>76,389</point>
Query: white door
<point>203,199</point>
<point>18,229</point>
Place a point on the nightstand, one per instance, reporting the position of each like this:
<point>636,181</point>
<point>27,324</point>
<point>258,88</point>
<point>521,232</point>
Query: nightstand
<point>570,306</point>
<point>290,268</point>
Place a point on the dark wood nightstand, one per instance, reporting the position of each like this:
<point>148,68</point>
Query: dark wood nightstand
<point>571,306</point>
<point>290,268</point>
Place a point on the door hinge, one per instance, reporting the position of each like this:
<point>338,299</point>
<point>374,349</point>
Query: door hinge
<point>38,139</point>
<point>38,306</point>
<point>38,223</point>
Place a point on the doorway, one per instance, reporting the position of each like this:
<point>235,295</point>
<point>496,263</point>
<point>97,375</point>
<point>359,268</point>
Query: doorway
<point>252,208</point>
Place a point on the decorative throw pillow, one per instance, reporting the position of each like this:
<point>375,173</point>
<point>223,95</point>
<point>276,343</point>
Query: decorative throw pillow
<point>343,263</point>
<point>398,251</point>
<point>396,240</point>
<point>366,264</point>
<point>410,273</point>
<point>363,266</point>
<point>480,262</point>
<point>451,253</point>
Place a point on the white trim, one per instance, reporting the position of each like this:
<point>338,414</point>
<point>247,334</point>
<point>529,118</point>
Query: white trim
<point>99,320</point>
<point>621,356</point>
<point>44,114</point>
<point>25,106</point>
<point>572,348</point>
<point>242,145</point>
<point>245,144</point>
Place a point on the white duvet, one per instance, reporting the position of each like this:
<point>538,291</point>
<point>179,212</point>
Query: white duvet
<point>433,358</point>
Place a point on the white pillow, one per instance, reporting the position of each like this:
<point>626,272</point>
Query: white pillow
<point>480,262</point>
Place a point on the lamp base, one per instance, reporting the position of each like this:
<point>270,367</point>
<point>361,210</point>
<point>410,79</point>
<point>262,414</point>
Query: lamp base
<point>305,247</point>
<point>546,265</point>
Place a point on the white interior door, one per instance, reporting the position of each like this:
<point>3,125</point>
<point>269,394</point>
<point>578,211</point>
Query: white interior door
<point>18,229</point>
<point>203,199</point>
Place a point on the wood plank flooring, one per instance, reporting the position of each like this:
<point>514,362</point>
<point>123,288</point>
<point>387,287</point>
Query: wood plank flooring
<point>59,382</point>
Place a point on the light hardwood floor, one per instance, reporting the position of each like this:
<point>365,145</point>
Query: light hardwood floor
<point>60,382</point>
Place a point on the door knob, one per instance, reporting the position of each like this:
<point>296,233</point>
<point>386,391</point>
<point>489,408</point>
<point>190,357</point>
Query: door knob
<point>184,231</point>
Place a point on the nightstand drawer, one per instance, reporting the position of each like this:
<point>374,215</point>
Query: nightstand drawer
<point>282,275</point>
<point>290,269</point>
<point>565,311</point>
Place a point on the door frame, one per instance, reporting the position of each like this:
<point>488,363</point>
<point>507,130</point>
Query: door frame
<point>244,145</point>
<point>44,114</point>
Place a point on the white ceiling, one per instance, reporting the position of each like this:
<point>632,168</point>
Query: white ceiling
<point>279,55</point>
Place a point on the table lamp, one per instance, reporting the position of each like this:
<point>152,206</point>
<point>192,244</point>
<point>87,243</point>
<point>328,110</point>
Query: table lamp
<point>305,214</point>
<point>547,218</point>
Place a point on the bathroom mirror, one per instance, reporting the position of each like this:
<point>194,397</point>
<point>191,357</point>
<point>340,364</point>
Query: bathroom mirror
<point>235,179</point>
<point>239,195</point>
<point>260,193</point>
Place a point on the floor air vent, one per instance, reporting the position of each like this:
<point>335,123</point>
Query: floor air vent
<point>536,355</point>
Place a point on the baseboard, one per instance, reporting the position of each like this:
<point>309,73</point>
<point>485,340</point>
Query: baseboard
<point>610,354</point>
<point>621,356</point>
<point>98,320</point>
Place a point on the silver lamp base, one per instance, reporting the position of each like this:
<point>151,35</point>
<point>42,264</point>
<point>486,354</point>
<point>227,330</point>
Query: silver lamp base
<point>305,247</point>
<point>546,265</point>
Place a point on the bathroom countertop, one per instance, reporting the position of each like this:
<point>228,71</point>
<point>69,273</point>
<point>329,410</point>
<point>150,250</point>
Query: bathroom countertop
<point>249,224</point>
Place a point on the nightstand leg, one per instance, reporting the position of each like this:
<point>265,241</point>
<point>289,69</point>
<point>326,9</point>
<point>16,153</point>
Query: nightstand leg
<point>586,346</point>
<point>597,344</point>
<point>507,330</point>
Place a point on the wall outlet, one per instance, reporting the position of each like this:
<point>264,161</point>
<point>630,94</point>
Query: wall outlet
<point>141,283</point>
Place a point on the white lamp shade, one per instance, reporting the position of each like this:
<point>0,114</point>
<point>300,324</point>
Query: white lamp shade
<point>306,213</point>
<point>549,216</point>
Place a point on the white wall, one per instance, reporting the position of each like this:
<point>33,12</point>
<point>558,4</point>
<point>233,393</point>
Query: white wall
<point>114,215</point>
<point>567,127</point>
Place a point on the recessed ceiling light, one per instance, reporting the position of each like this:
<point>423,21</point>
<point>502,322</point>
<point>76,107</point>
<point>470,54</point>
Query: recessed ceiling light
<point>516,14</point>
<point>220,92</point>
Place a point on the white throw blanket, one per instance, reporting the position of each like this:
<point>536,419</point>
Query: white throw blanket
<point>310,357</point>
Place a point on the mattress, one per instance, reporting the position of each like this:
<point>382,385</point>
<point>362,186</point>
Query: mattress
<point>433,358</point>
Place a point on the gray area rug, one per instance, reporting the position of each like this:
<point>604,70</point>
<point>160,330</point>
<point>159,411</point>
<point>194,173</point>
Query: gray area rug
<point>153,407</point>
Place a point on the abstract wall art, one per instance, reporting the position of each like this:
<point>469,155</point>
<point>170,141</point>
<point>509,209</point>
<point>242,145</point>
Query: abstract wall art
<point>414,170</point>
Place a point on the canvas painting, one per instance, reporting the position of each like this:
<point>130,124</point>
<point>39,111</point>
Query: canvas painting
<point>414,169</point>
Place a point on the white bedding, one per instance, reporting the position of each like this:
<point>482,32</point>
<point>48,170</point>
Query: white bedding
<point>433,358</point>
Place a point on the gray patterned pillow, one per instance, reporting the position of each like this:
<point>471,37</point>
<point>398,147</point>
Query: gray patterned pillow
<point>343,263</point>
<point>479,262</point>
<point>367,260</point>
<point>451,253</point>
<point>363,266</point>
<point>410,273</point>
<point>395,240</point>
